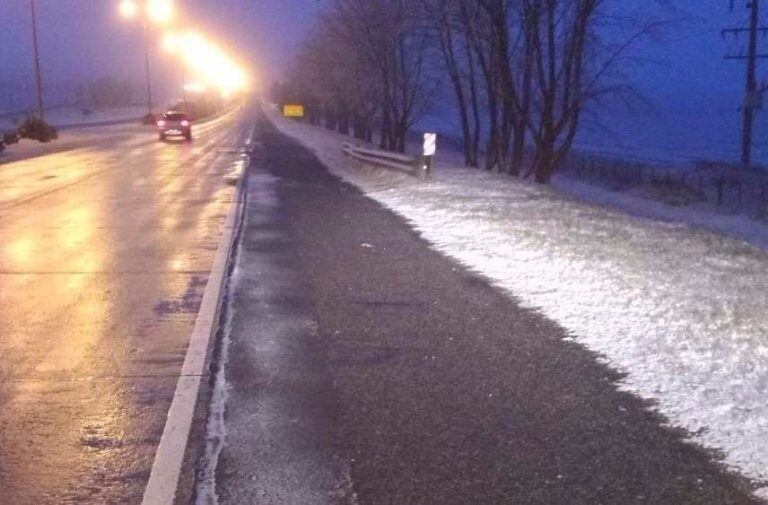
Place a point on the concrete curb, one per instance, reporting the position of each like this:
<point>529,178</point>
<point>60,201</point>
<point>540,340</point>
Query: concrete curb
<point>169,458</point>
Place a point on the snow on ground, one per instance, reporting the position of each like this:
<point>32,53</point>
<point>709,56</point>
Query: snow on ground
<point>680,310</point>
<point>701,214</point>
<point>74,132</point>
<point>72,139</point>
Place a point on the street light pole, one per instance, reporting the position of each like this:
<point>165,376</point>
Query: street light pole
<point>146,59</point>
<point>156,11</point>
<point>184,86</point>
<point>38,79</point>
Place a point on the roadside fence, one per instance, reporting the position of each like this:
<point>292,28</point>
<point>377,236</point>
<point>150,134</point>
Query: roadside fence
<point>729,188</point>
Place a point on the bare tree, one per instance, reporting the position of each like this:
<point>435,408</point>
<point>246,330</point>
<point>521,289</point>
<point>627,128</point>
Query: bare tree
<point>536,65</point>
<point>572,68</point>
<point>545,64</point>
<point>449,28</point>
<point>388,43</point>
<point>330,78</point>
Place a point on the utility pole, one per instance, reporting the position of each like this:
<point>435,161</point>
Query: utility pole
<point>38,79</point>
<point>751,88</point>
<point>752,95</point>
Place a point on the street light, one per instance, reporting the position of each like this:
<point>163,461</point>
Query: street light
<point>38,78</point>
<point>156,11</point>
<point>128,9</point>
<point>208,61</point>
<point>160,11</point>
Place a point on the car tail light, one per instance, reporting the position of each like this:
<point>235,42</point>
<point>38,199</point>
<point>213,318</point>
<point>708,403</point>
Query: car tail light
<point>185,123</point>
<point>161,123</point>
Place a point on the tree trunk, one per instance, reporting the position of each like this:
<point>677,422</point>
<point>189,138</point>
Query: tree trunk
<point>475,148</point>
<point>492,157</point>
<point>386,127</point>
<point>518,147</point>
<point>545,165</point>
<point>343,122</point>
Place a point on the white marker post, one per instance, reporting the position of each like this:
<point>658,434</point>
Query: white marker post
<point>430,149</point>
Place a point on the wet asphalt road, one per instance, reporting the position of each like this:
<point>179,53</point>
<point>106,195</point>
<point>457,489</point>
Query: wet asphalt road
<point>367,368</point>
<point>104,256</point>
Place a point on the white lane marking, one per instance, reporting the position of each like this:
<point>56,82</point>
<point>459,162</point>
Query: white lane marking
<point>166,469</point>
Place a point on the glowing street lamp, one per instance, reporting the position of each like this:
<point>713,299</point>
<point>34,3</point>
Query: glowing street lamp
<point>128,9</point>
<point>160,11</point>
<point>212,65</point>
<point>171,43</point>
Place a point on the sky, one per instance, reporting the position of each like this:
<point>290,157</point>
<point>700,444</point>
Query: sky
<point>682,76</point>
<point>86,38</point>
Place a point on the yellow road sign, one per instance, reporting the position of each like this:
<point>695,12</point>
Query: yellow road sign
<point>293,111</point>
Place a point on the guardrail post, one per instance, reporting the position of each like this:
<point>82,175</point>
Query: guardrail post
<point>426,168</point>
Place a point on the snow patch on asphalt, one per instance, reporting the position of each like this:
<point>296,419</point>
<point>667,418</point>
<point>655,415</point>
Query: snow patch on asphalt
<point>681,311</point>
<point>215,428</point>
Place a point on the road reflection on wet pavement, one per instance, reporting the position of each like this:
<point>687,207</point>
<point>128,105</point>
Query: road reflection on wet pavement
<point>104,256</point>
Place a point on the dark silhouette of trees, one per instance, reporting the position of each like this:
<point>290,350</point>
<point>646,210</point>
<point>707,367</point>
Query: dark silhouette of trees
<point>364,63</point>
<point>105,92</point>
<point>522,72</point>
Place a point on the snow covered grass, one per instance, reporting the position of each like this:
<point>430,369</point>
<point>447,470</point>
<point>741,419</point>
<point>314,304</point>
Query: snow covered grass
<point>680,310</point>
<point>76,132</point>
<point>700,215</point>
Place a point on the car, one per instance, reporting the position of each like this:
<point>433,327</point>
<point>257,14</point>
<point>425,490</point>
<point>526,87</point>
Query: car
<point>175,124</point>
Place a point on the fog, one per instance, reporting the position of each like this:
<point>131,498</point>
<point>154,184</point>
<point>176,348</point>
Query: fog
<point>81,40</point>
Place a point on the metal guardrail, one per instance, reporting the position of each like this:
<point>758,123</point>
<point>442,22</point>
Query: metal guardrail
<point>386,159</point>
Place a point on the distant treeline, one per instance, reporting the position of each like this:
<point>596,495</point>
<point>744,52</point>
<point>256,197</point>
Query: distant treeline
<point>105,92</point>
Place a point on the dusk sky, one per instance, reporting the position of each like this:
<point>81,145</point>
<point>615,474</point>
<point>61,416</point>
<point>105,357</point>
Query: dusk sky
<point>684,73</point>
<point>86,37</point>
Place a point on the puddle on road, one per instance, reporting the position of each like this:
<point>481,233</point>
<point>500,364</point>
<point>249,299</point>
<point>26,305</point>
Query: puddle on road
<point>188,303</point>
